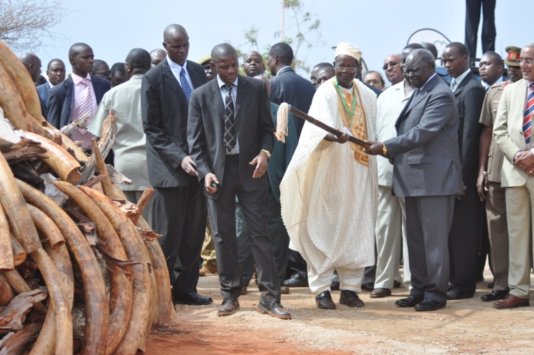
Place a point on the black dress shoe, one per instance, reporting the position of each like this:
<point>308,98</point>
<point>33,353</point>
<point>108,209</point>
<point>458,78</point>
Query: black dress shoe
<point>494,295</point>
<point>396,284</point>
<point>351,299</point>
<point>296,280</point>
<point>276,310</point>
<point>409,301</point>
<point>429,305</point>
<point>228,307</point>
<point>456,293</point>
<point>334,285</point>
<point>369,286</point>
<point>192,298</point>
<point>324,300</point>
<point>380,292</point>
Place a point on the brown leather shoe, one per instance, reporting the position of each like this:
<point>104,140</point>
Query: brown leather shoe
<point>228,307</point>
<point>284,290</point>
<point>380,292</point>
<point>276,310</point>
<point>511,301</point>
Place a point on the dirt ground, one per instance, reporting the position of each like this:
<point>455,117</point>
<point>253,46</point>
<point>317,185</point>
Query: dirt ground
<point>463,327</point>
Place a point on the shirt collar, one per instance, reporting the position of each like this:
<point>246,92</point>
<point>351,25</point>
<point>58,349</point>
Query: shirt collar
<point>427,81</point>
<point>462,76</point>
<point>78,79</point>
<point>175,66</point>
<point>487,86</point>
<point>220,83</point>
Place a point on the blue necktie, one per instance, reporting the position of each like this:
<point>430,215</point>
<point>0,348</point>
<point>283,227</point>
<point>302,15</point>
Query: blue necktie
<point>185,85</point>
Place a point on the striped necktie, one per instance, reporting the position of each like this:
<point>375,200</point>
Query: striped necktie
<point>86,108</point>
<point>229,118</point>
<point>527,115</point>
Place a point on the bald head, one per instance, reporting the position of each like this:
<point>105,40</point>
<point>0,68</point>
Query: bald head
<point>138,61</point>
<point>419,67</point>
<point>81,58</point>
<point>157,56</point>
<point>176,43</point>
<point>223,50</point>
<point>174,30</point>
<point>33,65</point>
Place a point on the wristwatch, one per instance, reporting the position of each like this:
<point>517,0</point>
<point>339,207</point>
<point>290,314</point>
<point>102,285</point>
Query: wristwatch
<point>267,153</point>
<point>384,150</point>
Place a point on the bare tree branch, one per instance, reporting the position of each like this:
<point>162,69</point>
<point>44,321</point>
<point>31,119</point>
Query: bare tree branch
<point>24,23</point>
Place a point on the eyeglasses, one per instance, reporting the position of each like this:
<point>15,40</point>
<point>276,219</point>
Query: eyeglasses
<point>389,64</point>
<point>527,61</point>
<point>346,69</point>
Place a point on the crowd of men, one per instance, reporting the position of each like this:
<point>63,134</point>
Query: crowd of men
<point>432,172</point>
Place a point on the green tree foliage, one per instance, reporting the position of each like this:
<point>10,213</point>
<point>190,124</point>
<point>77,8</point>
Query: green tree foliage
<point>300,30</point>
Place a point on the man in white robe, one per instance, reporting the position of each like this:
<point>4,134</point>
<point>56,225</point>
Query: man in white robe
<point>329,191</point>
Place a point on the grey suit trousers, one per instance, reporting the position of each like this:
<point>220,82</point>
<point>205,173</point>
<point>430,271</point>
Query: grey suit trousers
<point>428,222</point>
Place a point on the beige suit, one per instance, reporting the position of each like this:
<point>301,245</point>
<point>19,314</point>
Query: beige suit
<point>508,133</point>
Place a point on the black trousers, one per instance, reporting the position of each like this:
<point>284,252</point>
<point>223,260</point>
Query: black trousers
<point>464,241</point>
<point>472,19</point>
<point>179,215</point>
<point>253,203</point>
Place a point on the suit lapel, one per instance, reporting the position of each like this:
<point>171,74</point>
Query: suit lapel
<point>196,80</point>
<point>175,90</point>
<point>241,97</point>
<point>216,104</point>
<point>417,97</point>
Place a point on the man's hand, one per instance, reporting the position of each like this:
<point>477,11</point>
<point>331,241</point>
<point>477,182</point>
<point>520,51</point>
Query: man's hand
<point>188,165</point>
<point>211,183</point>
<point>375,148</point>
<point>260,161</point>
<point>482,185</point>
<point>524,160</point>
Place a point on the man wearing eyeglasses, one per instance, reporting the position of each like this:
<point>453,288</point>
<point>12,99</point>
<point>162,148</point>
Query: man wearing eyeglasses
<point>392,68</point>
<point>427,174</point>
<point>390,226</point>
<point>513,133</point>
<point>328,193</point>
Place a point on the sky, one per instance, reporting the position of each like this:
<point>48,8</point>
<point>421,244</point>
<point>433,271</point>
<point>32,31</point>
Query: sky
<point>378,27</point>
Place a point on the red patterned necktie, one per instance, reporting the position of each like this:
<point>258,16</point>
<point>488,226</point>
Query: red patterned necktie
<point>527,115</point>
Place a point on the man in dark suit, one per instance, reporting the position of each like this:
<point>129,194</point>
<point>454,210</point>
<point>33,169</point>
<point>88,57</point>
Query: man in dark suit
<point>466,231</point>
<point>66,103</point>
<point>230,135</point>
<point>427,174</point>
<point>287,86</point>
<point>55,71</point>
<point>179,210</point>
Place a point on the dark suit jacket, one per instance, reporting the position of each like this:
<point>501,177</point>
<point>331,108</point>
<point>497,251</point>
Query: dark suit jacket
<point>425,152</point>
<point>43,91</point>
<point>61,99</point>
<point>253,123</point>
<point>469,98</point>
<point>288,86</point>
<point>164,110</point>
